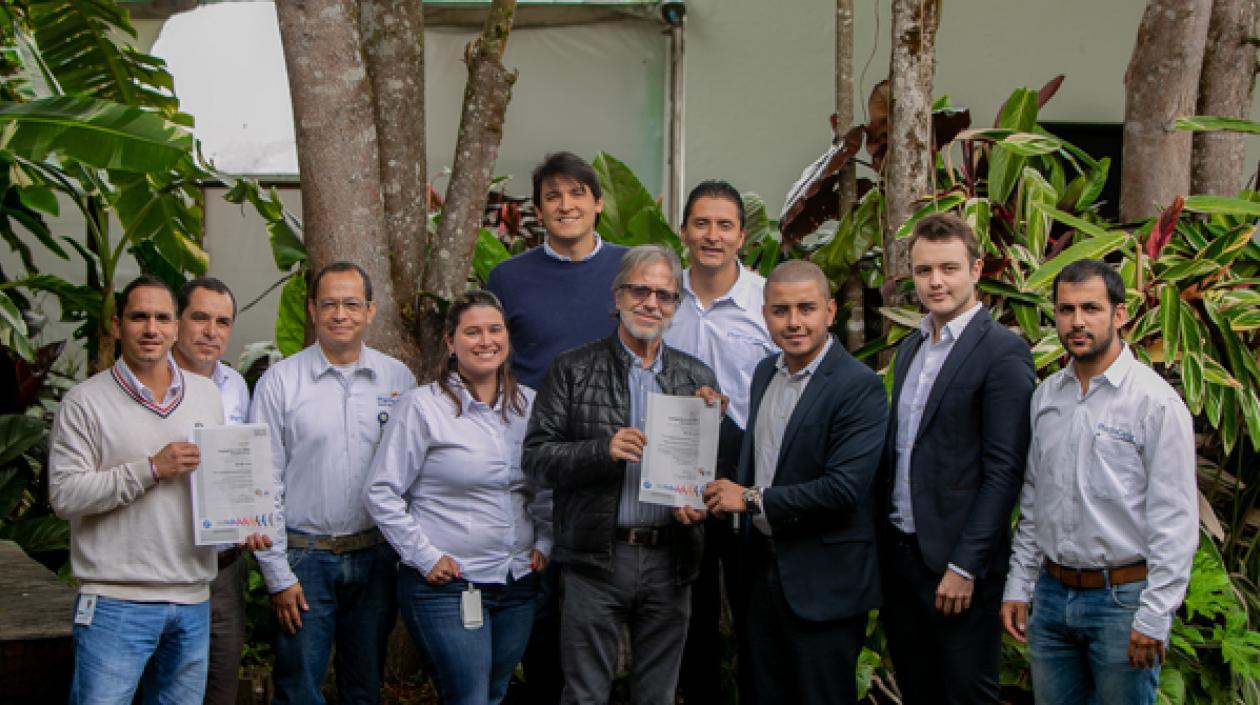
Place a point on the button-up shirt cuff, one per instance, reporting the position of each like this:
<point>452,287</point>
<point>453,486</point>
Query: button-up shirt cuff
<point>961,572</point>
<point>276,573</point>
<point>543,546</point>
<point>1017,590</point>
<point>425,559</point>
<point>1156,626</point>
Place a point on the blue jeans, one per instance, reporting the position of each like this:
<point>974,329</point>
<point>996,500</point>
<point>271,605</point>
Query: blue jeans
<point>471,666</point>
<point>111,653</point>
<point>1079,646</point>
<point>351,600</point>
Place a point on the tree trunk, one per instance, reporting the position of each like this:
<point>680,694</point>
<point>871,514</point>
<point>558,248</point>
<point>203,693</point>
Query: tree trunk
<point>393,48</point>
<point>1160,85</point>
<point>338,156</point>
<point>854,336</point>
<point>486,97</point>
<point>908,169</point>
<point>1225,86</point>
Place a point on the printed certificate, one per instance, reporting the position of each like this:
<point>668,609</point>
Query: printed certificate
<point>233,494</point>
<point>681,453</point>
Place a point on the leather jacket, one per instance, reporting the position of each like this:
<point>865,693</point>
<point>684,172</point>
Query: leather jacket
<point>583,402</point>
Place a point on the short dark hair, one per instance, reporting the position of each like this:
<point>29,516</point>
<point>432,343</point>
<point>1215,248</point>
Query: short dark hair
<point>569,166</point>
<point>715,188</point>
<point>341,267</point>
<point>209,284</point>
<point>942,227</point>
<point>1082,270</point>
<point>140,282</point>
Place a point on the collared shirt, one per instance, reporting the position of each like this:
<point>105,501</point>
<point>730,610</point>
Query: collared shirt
<point>173,392</point>
<point>552,253</point>
<point>235,394</point>
<point>1110,482</point>
<point>452,485</point>
<point>630,511</point>
<point>730,336</point>
<point>920,378</point>
<point>778,403</point>
<point>324,429</point>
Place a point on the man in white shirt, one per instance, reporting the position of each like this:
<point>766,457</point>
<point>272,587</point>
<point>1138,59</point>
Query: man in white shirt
<point>719,321</point>
<point>331,577</point>
<point>207,310</point>
<point>1108,512</point>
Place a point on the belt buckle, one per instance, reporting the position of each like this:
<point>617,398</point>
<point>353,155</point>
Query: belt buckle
<point>338,545</point>
<point>641,536</point>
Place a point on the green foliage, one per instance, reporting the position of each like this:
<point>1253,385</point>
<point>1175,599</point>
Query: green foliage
<point>291,318</point>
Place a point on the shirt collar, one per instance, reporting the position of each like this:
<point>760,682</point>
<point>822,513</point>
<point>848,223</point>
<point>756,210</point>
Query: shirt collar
<point>954,329</point>
<point>740,293</point>
<point>1115,372</point>
<point>809,369</point>
<point>177,379</point>
<point>321,366</point>
<point>466,399</point>
<point>551,252</point>
<point>220,375</point>
<point>636,362</point>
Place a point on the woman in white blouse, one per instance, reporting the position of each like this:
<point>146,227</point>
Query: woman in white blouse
<point>472,532</point>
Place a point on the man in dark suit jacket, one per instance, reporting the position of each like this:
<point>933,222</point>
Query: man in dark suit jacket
<point>953,466</point>
<point>809,458</point>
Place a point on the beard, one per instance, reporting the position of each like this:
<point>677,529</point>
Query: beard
<point>1095,351</point>
<point>638,332</point>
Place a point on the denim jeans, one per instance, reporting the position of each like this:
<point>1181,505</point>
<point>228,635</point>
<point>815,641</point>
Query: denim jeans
<point>111,654</point>
<point>471,666</point>
<point>351,600</point>
<point>1079,646</point>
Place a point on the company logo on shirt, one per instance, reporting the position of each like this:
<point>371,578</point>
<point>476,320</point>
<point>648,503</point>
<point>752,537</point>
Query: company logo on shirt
<point>1116,433</point>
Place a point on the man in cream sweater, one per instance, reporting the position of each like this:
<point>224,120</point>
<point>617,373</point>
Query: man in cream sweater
<point>117,471</point>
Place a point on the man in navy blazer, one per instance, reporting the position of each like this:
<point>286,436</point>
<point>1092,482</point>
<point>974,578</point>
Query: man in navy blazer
<point>953,466</point>
<point>805,489</point>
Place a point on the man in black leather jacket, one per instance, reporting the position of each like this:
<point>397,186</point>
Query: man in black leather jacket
<point>626,562</point>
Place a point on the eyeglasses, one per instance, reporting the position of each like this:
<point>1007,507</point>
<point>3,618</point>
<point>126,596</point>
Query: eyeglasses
<point>351,306</point>
<point>640,292</point>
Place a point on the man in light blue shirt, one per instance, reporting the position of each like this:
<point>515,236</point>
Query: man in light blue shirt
<point>332,575</point>
<point>719,321</point>
<point>207,310</point>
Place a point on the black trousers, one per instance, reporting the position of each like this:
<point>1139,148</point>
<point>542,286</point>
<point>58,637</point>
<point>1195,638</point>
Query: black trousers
<point>788,660</point>
<point>700,679</point>
<point>938,659</point>
<point>541,663</point>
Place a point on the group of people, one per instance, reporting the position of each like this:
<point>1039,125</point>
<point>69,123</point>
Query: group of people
<point>496,508</point>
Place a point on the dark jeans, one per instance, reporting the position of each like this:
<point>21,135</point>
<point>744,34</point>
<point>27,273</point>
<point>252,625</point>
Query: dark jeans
<point>789,660</point>
<point>641,592</point>
<point>938,659</point>
<point>227,632</point>
<point>351,599</point>
<point>471,666</point>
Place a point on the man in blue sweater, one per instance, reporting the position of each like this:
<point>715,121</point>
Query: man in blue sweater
<point>557,297</point>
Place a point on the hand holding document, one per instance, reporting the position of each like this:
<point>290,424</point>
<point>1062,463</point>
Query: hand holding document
<point>681,453</point>
<point>232,490</point>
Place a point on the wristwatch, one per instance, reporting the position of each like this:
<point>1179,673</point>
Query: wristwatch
<point>752,500</point>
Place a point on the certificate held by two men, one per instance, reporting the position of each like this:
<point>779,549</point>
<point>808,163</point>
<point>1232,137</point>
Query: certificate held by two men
<point>233,494</point>
<point>681,453</point>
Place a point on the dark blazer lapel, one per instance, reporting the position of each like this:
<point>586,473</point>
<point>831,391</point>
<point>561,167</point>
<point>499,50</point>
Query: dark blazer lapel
<point>761,380</point>
<point>966,344</point>
<point>813,392</point>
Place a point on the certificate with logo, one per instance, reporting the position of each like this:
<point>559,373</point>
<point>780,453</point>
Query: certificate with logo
<point>681,453</point>
<point>233,493</point>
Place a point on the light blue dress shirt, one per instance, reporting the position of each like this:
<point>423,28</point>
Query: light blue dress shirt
<point>235,394</point>
<point>1110,482</point>
<point>630,511</point>
<point>324,430</point>
<point>442,484</point>
<point>730,336</point>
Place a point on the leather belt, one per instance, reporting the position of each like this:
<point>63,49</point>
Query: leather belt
<point>1094,578</point>
<point>228,556</point>
<point>337,544</point>
<point>645,535</point>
